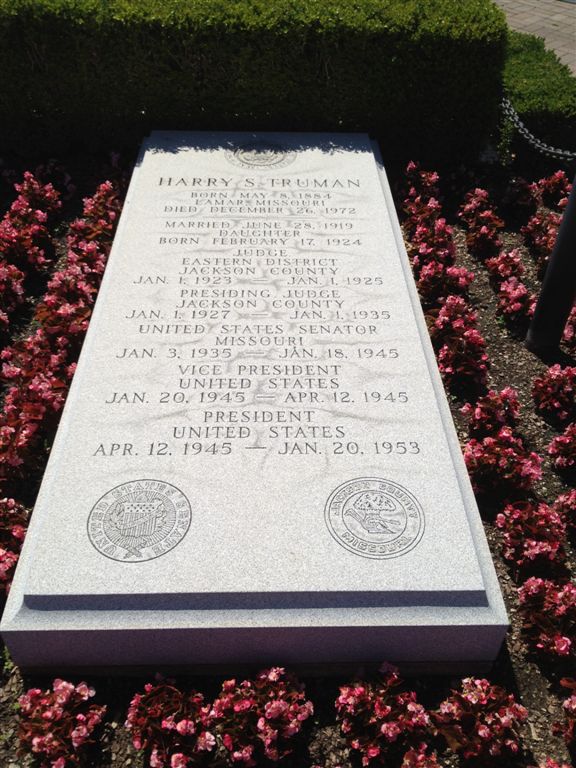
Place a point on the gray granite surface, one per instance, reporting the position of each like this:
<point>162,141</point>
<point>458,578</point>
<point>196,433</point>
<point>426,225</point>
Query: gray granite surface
<point>256,460</point>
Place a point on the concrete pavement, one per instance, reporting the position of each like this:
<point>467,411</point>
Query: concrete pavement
<point>554,20</point>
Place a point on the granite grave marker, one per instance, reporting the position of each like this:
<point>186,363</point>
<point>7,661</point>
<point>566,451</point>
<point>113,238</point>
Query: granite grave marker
<point>256,461</point>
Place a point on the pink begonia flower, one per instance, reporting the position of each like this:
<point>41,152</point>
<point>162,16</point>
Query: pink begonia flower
<point>562,645</point>
<point>373,751</point>
<point>292,728</point>
<point>7,561</point>
<point>18,532</point>
<point>179,760</point>
<point>63,689</point>
<point>274,674</point>
<point>244,755</point>
<point>186,727</point>
<point>38,743</point>
<point>507,719</point>
<point>65,310</point>
<point>79,736</point>
<point>10,371</point>
<point>420,717</point>
<point>514,301</point>
<point>381,708</point>
<point>563,448</point>
<point>390,730</point>
<point>483,731</point>
<point>168,723</point>
<point>206,742</point>
<point>276,708</point>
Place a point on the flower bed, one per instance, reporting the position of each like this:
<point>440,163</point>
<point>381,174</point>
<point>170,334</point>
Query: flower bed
<point>476,278</point>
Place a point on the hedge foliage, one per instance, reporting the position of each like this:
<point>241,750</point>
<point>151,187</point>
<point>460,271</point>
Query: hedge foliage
<point>542,90</point>
<point>423,77</point>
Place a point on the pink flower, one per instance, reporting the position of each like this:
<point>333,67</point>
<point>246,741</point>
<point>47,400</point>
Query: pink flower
<point>379,722</point>
<point>79,735</point>
<point>501,462</point>
<point>484,732</point>
<point>514,301</point>
<point>156,761</point>
<point>483,720</point>
<point>274,709</point>
<point>390,730</point>
<point>186,727</point>
<point>549,610</point>
<point>532,532</point>
<point>206,742</point>
<point>57,723</point>
<point>244,755</point>
<point>562,646</point>
<point>563,449</point>
<point>273,674</point>
<point>40,366</point>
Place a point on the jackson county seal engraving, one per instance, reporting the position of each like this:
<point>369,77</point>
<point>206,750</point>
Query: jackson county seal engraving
<point>375,518</point>
<point>261,154</point>
<point>139,521</point>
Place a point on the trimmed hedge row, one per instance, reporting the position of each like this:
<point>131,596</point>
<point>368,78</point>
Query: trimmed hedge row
<point>423,77</point>
<point>542,90</point>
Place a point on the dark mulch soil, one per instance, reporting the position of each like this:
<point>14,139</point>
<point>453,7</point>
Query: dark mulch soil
<point>533,681</point>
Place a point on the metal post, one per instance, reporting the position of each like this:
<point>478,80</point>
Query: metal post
<point>558,288</point>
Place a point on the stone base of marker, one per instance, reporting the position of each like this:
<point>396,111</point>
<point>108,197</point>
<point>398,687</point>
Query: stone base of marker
<point>256,462</point>
<point>190,647</point>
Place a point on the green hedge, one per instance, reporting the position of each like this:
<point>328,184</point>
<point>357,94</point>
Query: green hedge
<point>424,76</point>
<point>542,90</point>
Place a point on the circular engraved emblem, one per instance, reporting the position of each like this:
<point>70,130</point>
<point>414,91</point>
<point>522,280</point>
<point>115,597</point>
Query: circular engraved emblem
<point>375,518</point>
<point>139,521</point>
<point>261,154</point>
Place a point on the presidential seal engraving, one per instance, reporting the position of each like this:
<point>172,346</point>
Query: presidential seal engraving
<point>375,518</point>
<point>261,155</point>
<point>139,521</point>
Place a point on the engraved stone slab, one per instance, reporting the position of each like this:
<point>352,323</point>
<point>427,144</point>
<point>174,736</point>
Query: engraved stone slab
<point>256,461</point>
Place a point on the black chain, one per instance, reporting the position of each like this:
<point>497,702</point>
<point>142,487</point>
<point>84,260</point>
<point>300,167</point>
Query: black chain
<point>545,149</point>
